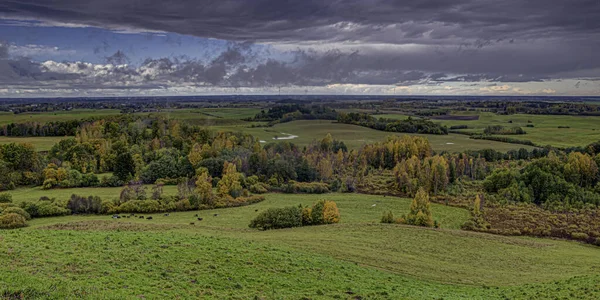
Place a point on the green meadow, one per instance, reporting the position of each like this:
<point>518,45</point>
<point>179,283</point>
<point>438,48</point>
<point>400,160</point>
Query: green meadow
<point>41,143</point>
<point>356,136</point>
<point>97,257</point>
<point>582,130</point>
<point>53,116</point>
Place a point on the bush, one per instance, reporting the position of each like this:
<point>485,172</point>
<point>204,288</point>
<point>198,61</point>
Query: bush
<point>44,209</point>
<point>316,214</point>
<point>140,206</point>
<point>324,212</point>
<point>4,206</point>
<point>12,220</point>
<point>388,217</point>
<point>580,236</point>
<point>5,198</point>
<point>259,188</point>
<point>16,210</point>
<point>306,215</point>
<point>183,205</point>
<point>331,214</point>
<point>83,205</point>
<point>112,181</point>
<point>275,218</point>
<point>294,187</point>
<point>108,206</point>
<point>47,209</point>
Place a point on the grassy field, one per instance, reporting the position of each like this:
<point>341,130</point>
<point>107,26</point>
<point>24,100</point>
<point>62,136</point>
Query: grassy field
<point>34,193</point>
<point>41,143</point>
<point>307,130</point>
<point>221,258</point>
<point>210,116</point>
<point>583,129</point>
<point>355,136</point>
<point>42,117</point>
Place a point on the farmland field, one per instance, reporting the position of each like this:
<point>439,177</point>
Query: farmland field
<point>582,130</point>
<point>42,117</point>
<point>34,193</point>
<point>41,143</point>
<point>219,257</point>
<point>355,136</point>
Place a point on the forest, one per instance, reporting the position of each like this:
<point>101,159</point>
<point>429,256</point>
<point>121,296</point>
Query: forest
<point>143,153</point>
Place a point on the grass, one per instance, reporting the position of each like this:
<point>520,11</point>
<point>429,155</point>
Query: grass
<point>34,193</point>
<point>41,143</point>
<point>220,257</point>
<point>355,136</point>
<point>42,117</point>
<point>583,129</point>
<point>210,116</point>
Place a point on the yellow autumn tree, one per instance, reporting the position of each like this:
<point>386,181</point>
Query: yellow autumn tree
<point>230,183</point>
<point>420,210</point>
<point>331,214</point>
<point>204,186</point>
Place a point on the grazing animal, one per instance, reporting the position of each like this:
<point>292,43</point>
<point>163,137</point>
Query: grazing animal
<point>199,219</point>
<point>374,205</point>
<point>149,218</point>
<point>216,215</point>
<point>255,210</point>
<point>166,215</point>
<point>128,217</point>
<point>115,216</point>
<point>141,217</point>
<point>192,223</point>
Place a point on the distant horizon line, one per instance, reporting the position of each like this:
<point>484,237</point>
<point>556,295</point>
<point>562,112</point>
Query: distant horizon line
<point>302,96</point>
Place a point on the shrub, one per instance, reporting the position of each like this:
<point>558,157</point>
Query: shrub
<point>388,217</point>
<point>294,187</point>
<point>140,206</point>
<point>108,206</point>
<point>47,209</point>
<point>112,181</point>
<point>580,236</point>
<point>420,210</point>
<point>183,205</point>
<point>44,209</point>
<point>275,218</point>
<point>259,188</point>
<point>306,215</point>
<point>331,214</point>
<point>5,198</point>
<point>82,205</point>
<point>316,214</point>
<point>12,220</point>
<point>16,210</point>
<point>4,206</point>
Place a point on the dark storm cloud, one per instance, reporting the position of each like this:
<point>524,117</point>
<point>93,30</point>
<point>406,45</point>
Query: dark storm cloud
<point>409,42</point>
<point>277,20</point>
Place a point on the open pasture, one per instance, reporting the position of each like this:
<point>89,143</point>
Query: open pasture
<point>220,257</point>
<point>53,116</point>
<point>582,130</point>
<point>356,136</point>
<point>41,143</point>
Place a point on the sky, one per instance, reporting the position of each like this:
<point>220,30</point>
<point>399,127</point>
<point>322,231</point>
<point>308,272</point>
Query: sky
<point>69,48</point>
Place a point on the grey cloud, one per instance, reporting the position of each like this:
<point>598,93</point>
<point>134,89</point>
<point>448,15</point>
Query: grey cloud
<point>461,40</point>
<point>290,20</point>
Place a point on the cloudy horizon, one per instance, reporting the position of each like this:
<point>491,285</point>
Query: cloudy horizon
<point>466,47</point>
